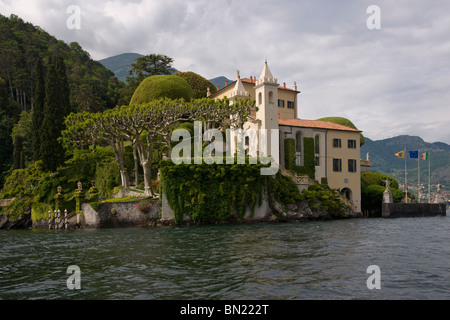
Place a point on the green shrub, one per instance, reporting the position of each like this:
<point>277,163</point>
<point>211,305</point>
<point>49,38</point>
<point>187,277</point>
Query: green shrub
<point>345,122</point>
<point>162,86</point>
<point>324,198</point>
<point>289,154</point>
<point>284,189</point>
<point>198,84</point>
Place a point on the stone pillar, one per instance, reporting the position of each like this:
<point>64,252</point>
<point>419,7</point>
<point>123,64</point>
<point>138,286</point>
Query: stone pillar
<point>49,219</point>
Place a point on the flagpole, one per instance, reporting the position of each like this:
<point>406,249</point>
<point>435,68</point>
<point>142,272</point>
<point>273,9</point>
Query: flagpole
<point>418,175</point>
<point>406,180</point>
<point>429,178</point>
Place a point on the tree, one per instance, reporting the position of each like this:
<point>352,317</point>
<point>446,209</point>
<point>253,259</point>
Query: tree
<point>144,67</point>
<point>345,122</point>
<point>56,106</point>
<point>150,65</point>
<point>159,87</point>
<point>38,110</point>
<point>84,129</point>
<point>198,84</point>
<point>22,139</point>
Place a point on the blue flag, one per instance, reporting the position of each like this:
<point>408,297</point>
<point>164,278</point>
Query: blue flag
<point>414,154</point>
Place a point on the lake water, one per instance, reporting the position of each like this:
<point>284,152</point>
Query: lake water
<point>308,260</point>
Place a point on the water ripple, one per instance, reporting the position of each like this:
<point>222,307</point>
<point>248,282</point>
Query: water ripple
<point>314,260</point>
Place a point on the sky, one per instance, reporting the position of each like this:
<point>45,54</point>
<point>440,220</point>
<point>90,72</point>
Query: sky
<point>386,68</point>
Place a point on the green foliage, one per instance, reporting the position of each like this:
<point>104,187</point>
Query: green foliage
<point>23,44</point>
<point>289,154</point>
<point>157,87</point>
<point>39,211</point>
<point>208,193</point>
<point>321,197</point>
<point>107,177</point>
<point>373,186</point>
<point>36,185</point>
<point>375,178</point>
<point>22,137</point>
<point>284,189</point>
<point>198,84</point>
<point>345,122</point>
<point>309,167</point>
<point>38,110</point>
<point>56,107</point>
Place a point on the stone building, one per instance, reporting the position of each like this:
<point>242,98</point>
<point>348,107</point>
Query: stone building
<point>330,150</point>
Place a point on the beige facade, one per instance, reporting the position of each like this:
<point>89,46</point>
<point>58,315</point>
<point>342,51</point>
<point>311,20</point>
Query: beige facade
<point>336,147</point>
<point>286,101</point>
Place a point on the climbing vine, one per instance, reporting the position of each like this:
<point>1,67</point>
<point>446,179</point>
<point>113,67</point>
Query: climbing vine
<point>309,167</point>
<point>208,193</point>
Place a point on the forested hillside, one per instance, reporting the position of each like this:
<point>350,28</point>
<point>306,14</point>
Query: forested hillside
<point>383,159</point>
<point>23,46</point>
<point>93,87</point>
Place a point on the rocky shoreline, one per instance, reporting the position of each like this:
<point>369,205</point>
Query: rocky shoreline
<point>126,214</point>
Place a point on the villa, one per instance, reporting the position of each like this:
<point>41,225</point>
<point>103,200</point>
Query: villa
<point>332,150</point>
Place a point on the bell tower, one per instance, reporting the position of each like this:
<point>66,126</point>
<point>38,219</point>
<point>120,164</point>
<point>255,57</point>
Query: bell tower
<point>266,94</point>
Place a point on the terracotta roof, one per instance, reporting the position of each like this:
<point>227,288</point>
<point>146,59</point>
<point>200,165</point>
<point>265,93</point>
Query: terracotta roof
<point>315,124</point>
<point>248,80</point>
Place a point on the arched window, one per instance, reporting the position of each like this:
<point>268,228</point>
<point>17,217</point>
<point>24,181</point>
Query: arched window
<point>317,150</point>
<point>298,148</point>
<point>260,98</point>
<point>270,97</point>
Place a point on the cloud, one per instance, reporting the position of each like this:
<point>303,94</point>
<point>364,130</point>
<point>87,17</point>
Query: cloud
<point>389,81</point>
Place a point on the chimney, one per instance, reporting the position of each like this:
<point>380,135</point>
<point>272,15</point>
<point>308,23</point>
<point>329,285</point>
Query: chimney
<point>218,87</point>
<point>251,78</point>
<point>226,83</point>
<point>284,84</point>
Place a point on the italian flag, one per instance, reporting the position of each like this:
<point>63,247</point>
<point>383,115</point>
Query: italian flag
<point>424,156</point>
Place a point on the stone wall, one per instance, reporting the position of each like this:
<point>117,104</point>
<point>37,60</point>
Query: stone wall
<point>5,202</point>
<point>118,214</point>
<point>260,213</point>
<point>406,210</point>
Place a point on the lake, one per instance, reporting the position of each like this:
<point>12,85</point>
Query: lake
<point>306,260</point>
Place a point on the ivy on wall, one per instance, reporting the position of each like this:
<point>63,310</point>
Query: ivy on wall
<point>309,167</point>
<point>212,192</point>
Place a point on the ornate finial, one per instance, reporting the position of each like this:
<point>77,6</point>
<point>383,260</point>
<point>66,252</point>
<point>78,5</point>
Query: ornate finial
<point>238,76</point>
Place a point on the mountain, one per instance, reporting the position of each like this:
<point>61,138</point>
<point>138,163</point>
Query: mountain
<point>383,159</point>
<point>220,81</point>
<point>120,64</point>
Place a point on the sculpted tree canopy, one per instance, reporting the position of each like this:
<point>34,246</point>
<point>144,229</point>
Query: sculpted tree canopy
<point>198,84</point>
<point>345,122</point>
<point>158,87</point>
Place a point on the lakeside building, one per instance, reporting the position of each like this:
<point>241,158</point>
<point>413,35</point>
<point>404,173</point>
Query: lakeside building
<point>333,148</point>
